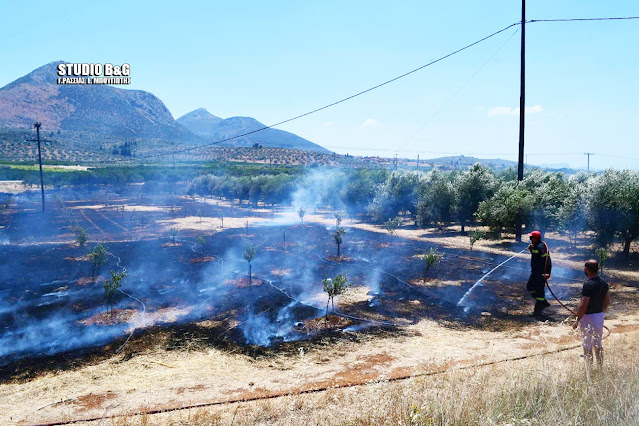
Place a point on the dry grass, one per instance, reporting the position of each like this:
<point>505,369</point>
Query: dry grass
<point>550,390</point>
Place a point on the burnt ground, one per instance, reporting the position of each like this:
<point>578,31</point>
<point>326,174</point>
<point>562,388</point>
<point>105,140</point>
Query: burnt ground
<point>47,295</point>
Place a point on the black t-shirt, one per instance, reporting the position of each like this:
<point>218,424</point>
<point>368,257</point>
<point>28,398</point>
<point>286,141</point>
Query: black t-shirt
<point>596,289</point>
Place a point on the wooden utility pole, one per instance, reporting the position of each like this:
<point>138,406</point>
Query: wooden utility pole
<point>417,168</point>
<point>37,127</point>
<point>522,108</point>
<point>589,154</point>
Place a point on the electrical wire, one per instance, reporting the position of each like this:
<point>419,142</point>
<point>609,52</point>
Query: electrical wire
<point>193,148</point>
<point>336,102</point>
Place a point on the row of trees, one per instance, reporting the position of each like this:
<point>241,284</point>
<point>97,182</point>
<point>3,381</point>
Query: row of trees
<point>270,189</point>
<point>606,203</point>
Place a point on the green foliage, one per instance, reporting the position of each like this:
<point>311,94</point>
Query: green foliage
<point>397,194</point>
<point>249,255</point>
<point>613,207</point>
<point>338,218</point>
<point>436,205</point>
<point>97,256</point>
<point>111,286</point>
<point>471,188</point>
<point>549,190</point>
<point>602,257</point>
<point>335,287</point>
<point>391,225</point>
<point>81,235</point>
<point>201,240</point>
<point>431,259</point>
<point>571,213</point>
<point>500,212</point>
<point>474,236</point>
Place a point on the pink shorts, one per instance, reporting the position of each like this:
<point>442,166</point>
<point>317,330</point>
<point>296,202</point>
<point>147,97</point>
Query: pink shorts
<point>591,330</point>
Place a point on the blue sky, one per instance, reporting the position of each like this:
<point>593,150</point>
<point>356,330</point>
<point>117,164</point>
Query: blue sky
<point>274,60</point>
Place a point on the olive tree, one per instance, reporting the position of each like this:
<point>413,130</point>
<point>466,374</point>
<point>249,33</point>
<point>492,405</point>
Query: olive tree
<point>111,286</point>
<point>334,287</point>
<point>81,235</point>
<point>502,210</point>
<point>97,256</point>
<point>338,237</point>
<point>471,188</point>
<point>391,225</point>
<point>613,208</point>
<point>431,259</point>
<point>249,255</point>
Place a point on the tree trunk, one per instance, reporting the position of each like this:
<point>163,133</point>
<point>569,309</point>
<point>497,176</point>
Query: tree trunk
<point>333,304</point>
<point>338,250</point>
<point>463,228</point>
<point>250,274</point>
<point>626,247</point>
<point>326,317</point>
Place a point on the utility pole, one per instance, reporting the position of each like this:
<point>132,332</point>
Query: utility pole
<point>589,154</point>
<point>522,108</point>
<point>395,161</point>
<point>37,127</point>
<point>417,168</point>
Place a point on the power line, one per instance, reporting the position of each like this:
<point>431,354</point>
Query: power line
<point>532,21</point>
<point>343,99</point>
<point>189,149</point>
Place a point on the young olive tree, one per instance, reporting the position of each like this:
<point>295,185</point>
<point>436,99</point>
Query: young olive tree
<point>81,235</point>
<point>431,259</point>
<point>97,256</point>
<point>338,237</point>
<point>391,225</point>
<point>249,255</point>
<point>173,232</point>
<point>602,256</point>
<point>474,236</point>
<point>334,287</point>
<point>112,285</point>
<point>301,212</point>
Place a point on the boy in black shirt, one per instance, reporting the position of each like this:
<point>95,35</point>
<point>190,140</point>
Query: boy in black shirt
<point>595,299</point>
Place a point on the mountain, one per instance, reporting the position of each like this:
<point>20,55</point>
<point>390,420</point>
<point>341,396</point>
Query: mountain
<point>100,117</point>
<point>97,109</point>
<point>213,128</point>
<point>201,122</point>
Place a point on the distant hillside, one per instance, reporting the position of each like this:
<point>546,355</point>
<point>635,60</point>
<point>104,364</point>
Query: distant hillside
<point>201,122</point>
<point>95,109</point>
<point>213,128</point>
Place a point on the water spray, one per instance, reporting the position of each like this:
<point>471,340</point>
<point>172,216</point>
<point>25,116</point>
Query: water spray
<point>464,300</point>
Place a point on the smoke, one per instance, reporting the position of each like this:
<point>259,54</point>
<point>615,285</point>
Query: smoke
<point>319,188</point>
<point>46,297</point>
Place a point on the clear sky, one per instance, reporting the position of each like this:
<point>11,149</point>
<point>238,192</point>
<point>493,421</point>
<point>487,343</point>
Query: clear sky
<point>277,59</point>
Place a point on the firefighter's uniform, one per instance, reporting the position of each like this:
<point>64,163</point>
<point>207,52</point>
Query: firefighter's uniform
<point>540,264</point>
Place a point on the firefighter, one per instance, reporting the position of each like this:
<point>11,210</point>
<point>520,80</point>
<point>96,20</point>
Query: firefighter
<point>540,268</point>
